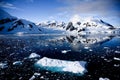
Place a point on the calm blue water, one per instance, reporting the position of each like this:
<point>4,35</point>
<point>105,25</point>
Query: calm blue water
<point>99,51</point>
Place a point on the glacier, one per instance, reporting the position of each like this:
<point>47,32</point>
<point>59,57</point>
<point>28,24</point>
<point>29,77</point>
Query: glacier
<point>56,65</point>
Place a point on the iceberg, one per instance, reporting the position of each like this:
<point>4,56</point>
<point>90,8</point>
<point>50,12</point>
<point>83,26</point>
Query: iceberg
<point>56,65</point>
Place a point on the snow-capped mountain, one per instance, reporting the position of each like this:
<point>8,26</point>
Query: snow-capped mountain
<point>11,24</point>
<point>88,26</point>
<point>53,23</point>
<point>85,26</point>
<point>52,27</point>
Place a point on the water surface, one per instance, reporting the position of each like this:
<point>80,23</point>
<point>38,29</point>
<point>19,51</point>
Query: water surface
<point>101,52</point>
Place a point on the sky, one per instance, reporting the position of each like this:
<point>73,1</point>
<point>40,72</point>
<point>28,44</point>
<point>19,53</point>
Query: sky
<point>63,10</point>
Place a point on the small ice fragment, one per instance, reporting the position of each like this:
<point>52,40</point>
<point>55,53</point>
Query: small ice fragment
<point>118,46</point>
<point>86,47</point>
<point>55,48</point>
<point>34,76</point>
<point>3,65</point>
<point>106,47</point>
<point>37,74</point>
<point>17,63</point>
<point>102,57</point>
<point>65,51</point>
<point>34,55</point>
<point>105,59</point>
<point>117,51</point>
<point>116,65</point>
<point>115,58</point>
<point>42,77</point>
<point>90,50</point>
<point>103,78</point>
<point>8,48</point>
<point>46,45</point>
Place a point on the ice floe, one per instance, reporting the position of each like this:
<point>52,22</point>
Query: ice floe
<point>117,51</point>
<point>86,47</point>
<point>116,65</point>
<point>57,65</point>
<point>17,63</point>
<point>103,78</point>
<point>34,55</point>
<point>34,76</point>
<point>3,65</point>
<point>65,51</point>
<point>115,58</point>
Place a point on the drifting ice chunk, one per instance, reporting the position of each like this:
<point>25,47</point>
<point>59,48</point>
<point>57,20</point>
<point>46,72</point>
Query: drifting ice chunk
<point>86,47</point>
<point>34,55</point>
<point>65,51</point>
<point>117,51</point>
<point>34,76</point>
<point>115,58</point>
<point>17,63</point>
<point>56,65</point>
<point>3,65</point>
<point>103,78</point>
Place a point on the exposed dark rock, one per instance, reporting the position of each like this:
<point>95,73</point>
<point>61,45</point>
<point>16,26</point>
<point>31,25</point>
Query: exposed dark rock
<point>31,26</point>
<point>79,23</point>
<point>3,21</point>
<point>81,30</point>
<point>107,24</point>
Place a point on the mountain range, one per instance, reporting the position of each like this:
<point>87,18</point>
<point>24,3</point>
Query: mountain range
<point>13,25</point>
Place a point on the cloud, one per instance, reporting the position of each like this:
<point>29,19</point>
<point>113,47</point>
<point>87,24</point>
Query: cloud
<point>7,5</point>
<point>100,7</point>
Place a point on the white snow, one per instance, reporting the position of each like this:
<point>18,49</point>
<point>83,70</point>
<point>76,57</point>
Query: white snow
<point>52,30</point>
<point>62,65</point>
<point>76,18</point>
<point>90,26</point>
<point>34,55</point>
